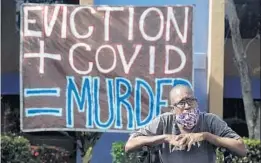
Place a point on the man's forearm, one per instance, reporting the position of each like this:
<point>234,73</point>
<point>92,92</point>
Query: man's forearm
<point>234,145</point>
<point>140,141</point>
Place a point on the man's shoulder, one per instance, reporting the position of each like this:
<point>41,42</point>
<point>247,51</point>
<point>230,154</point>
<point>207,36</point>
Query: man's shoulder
<point>210,118</point>
<point>164,119</point>
<point>165,116</point>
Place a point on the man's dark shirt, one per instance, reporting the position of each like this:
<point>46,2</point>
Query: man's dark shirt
<point>205,153</point>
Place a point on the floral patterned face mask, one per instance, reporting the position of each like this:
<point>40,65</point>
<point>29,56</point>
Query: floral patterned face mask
<point>188,119</point>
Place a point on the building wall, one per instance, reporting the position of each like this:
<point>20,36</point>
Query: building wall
<point>216,56</point>
<point>10,38</point>
<point>232,87</point>
<point>9,48</point>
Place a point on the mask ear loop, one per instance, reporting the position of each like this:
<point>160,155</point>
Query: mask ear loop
<point>172,109</point>
<point>174,112</point>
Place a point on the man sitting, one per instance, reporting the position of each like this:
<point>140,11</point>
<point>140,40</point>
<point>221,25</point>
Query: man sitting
<point>186,135</point>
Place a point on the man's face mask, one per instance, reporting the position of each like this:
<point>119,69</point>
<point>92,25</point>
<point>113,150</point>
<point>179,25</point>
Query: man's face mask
<point>189,113</point>
<point>188,119</point>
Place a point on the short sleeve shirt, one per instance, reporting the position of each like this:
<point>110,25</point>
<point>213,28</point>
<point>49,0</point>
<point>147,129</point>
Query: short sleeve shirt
<point>205,153</point>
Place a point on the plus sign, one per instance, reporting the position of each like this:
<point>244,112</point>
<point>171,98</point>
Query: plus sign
<point>42,55</point>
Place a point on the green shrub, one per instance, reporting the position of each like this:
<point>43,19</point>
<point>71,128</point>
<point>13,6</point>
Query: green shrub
<point>253,154</point>
<point>15,149</point>
<point>46,154</point>
<point>118,154</point>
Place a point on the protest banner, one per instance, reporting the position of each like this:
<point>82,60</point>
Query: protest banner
<point>102,68</point>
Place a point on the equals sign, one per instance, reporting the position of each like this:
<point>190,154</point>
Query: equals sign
<point>28,92</point>
<point>39,111</point>
<point>31,112</point>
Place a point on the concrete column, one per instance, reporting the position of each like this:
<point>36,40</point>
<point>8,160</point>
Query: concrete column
<point>216,56</point>
<point>86,2</point>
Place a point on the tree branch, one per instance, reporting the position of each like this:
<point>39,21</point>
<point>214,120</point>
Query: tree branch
<point>250,42</point>
<point>239,53</point>
<point>234,24</point>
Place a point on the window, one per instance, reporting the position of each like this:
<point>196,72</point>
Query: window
<point>234,114</point>
<point>249,16</point>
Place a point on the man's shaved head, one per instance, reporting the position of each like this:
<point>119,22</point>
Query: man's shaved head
<point>179,92</point>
